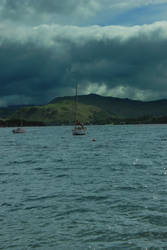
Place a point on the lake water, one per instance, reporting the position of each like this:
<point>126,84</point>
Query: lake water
<point>59,191</point>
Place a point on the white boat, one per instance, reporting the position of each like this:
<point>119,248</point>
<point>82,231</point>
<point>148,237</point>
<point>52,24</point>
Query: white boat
<point>79,128</point>
<point>18,131</point>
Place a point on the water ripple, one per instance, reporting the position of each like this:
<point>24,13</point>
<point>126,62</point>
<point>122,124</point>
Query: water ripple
<point>62,192</point>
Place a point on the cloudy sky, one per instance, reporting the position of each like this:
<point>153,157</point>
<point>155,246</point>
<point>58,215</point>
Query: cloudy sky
<point>110,47</point>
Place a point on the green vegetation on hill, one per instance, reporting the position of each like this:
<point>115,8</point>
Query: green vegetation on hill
<point>94,109</point>
<point>5,112</point>
<point>17,123</point>
<point>61,113</point>
<point>122,108</point>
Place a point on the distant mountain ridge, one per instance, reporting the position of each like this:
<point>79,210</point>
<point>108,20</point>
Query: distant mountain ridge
<point>122,108</point>
<point>94,109</point>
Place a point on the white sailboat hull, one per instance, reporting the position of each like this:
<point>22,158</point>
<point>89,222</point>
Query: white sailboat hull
<point>79,131</point>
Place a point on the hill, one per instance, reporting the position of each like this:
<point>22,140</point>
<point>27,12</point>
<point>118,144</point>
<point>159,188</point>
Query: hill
<point>95,109</point>
<point>122,108</point>
<point>62,113</point>
<point>5,112</point>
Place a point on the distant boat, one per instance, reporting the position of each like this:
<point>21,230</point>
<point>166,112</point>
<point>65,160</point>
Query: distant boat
<point>79,128</point>
<point>19,130</point>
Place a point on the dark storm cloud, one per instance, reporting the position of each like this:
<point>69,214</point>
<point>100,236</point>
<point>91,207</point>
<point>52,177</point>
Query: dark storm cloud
<point>41,57</point>
<point>137,62</point>
<point>37,64</point>
<point>30,70</point>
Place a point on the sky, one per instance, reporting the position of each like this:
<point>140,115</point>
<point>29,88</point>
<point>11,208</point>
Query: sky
<point>109,47</point>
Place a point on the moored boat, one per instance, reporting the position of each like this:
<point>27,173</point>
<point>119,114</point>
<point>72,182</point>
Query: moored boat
<point>79,128</point>
<point>19,131</point>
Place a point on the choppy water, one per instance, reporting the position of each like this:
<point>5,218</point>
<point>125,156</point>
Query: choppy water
<point>58,191</point>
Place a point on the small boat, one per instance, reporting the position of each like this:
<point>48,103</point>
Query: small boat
<point>19,131</point>
<point>79,128</point>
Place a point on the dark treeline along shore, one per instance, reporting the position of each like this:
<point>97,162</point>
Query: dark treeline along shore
<point>92,109</point>
<point>17,123</point>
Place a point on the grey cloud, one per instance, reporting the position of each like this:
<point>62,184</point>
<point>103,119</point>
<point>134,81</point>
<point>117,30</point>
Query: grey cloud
<point>40,5</point>
<point>70,6</point>
<point>35,12</point>
<point>76,12</point>
<point>126,62</point>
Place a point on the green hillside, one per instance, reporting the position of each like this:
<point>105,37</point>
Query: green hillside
<point>122,108</point>
<point>5,112</point>
<point>61,113</point>
<point>94,109</point>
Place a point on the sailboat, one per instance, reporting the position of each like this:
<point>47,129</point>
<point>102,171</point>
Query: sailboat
<point>79,128</point>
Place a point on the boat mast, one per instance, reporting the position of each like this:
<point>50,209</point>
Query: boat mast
<point>76,100</point>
